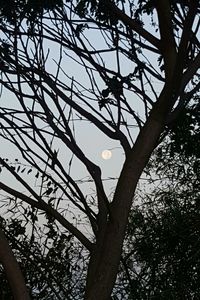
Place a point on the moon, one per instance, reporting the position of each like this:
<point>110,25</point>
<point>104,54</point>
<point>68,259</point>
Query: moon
<point>106,154</point>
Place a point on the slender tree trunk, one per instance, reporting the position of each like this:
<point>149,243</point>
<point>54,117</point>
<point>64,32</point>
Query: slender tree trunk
<point>12,270</point>
<point>105,258</point>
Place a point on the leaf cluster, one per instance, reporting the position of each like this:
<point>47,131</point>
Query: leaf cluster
<point>14,11</point>
<point>97,9</point>
<point>161,250</point>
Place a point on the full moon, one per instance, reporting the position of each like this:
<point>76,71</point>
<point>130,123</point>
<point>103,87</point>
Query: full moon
<point>106,154</point>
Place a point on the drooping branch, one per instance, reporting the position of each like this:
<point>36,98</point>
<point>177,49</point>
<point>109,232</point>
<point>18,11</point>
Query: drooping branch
<point>41,205</point>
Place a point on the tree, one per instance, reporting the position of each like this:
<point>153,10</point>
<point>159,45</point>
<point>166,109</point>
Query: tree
<point>161,249</point>
<point>154,75</point>
<point>51,261</point>
<point>160,258</point>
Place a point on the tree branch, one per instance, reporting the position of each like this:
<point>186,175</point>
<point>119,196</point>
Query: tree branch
<point>168,45</point>
<point>50,211</point>
<point>134,25</point>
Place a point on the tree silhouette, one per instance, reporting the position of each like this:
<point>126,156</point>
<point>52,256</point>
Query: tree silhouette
<point>111,64</point>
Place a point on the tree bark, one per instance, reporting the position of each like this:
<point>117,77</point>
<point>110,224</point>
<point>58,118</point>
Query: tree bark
<point>13,272</point>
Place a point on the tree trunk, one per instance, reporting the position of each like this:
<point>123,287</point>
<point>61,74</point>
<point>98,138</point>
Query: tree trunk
<point>105,258</point>
<point>12,270</point>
